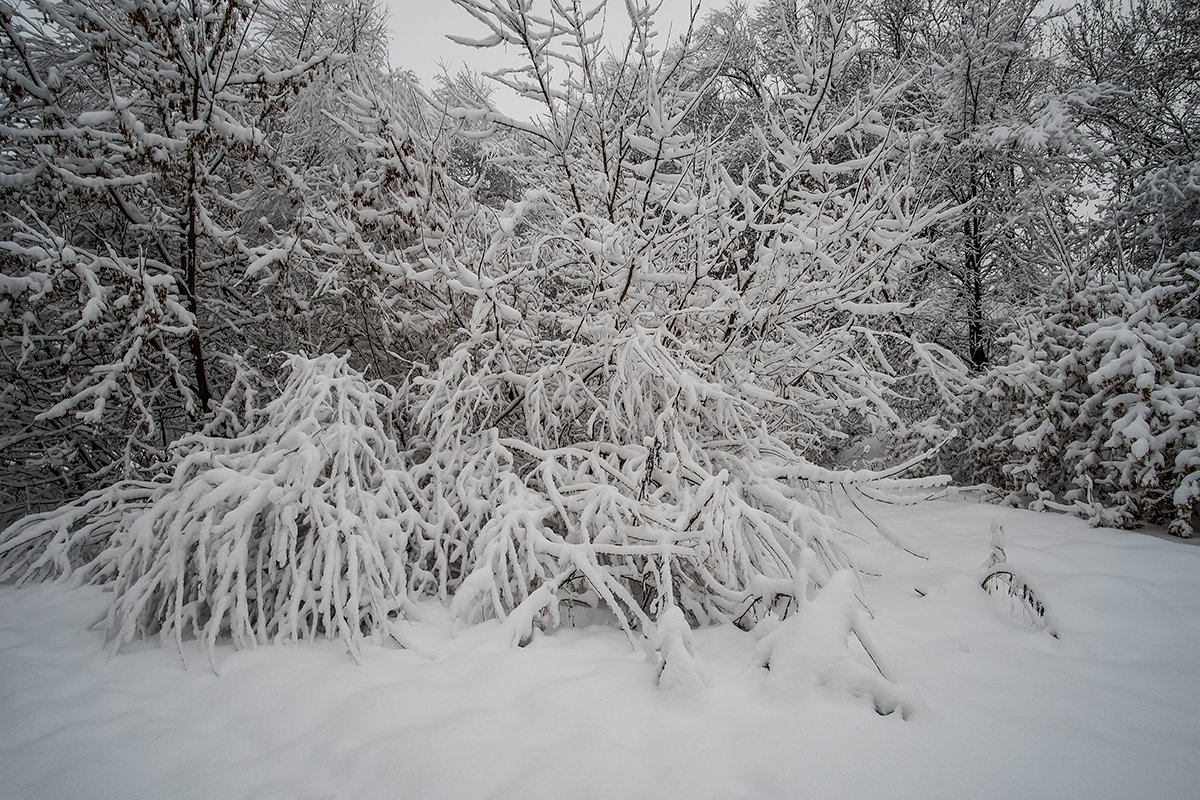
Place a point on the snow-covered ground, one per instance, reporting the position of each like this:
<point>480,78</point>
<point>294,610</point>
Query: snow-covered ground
<point>1108,709</point>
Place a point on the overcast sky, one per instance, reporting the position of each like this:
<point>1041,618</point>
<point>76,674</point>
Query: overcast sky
<point>419,29</point>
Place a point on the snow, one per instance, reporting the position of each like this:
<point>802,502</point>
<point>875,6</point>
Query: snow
<point>1109,709</point>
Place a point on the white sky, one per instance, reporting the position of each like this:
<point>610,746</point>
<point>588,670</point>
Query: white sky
<point>419,29</point>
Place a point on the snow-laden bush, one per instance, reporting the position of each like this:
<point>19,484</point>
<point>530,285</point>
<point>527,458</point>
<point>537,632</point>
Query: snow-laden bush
<point>620,478</point>
<point>1098,407</point>
<point>646,492</point>
<point>300,526</point>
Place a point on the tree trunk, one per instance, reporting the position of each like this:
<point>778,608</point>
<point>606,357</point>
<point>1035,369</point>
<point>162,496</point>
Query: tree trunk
<point>191,258</point>
<point>977,344</point>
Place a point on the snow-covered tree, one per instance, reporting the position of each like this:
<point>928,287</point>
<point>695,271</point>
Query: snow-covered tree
<point>137,189</point>
<point>1097,409</point>
<point>177,193</point>
<point>994,137</point>
<point>1139,98</point>
<point>387,230</point>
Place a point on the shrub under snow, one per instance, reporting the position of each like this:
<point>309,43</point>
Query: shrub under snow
<point>300,526</point>
<point>1098,408</point>
<point>311,522</point>
<point>642,487</point>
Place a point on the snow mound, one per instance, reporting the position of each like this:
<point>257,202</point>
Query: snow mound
<point>679,668</point>
<point>812,646</point>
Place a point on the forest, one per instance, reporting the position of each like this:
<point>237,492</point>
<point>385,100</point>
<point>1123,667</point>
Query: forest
<point>292,342</point>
